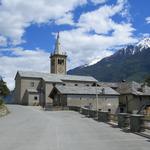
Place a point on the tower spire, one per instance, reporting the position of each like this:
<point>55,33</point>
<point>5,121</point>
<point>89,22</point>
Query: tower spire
<point>57,45</point>
<point>58,59</point>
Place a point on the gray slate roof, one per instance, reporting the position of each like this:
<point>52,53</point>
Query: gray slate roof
<point>87,90</point>
<point>133,88</point>
<point>55,77</point>
<point>109,84</point>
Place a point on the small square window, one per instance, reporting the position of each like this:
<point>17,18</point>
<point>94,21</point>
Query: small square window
<point>32,84</point>
<point>76,84</point>
<point>60,61</point>
<point>35,97</point>
<point>109,110</point>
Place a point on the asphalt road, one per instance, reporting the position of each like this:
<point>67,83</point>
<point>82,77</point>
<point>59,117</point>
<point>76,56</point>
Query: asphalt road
<point>28,128</point>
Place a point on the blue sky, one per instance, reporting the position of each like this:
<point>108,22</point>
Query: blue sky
<point>89,31</point>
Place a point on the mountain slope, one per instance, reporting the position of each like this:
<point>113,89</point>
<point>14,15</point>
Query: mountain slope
<point>130,63</point>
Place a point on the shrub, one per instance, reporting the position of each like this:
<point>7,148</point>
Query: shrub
<point>1,101</point>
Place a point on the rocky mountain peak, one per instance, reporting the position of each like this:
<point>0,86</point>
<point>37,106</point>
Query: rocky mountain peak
<point>145,43</point>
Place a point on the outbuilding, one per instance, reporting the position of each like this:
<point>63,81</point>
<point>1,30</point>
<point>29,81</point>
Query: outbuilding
<point>103,98</point>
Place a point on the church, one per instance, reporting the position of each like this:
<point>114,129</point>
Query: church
<point>59,89</point>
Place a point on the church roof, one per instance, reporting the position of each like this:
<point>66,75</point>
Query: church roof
<point>45,76</point>
<point>48,77</point>
<point>86,90</point>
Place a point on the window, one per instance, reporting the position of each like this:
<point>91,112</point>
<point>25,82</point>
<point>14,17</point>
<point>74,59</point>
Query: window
<point>94,84</point>
<point>109,110</point>
<point>60,61</point>
<point>87,85</point>
<point>35,97</point>
<point>76,84</point>
<point>121,110</point>
<point>32,84</point>
<point>64,84</point>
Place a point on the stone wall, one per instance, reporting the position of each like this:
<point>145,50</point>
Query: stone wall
<point>105,103</point>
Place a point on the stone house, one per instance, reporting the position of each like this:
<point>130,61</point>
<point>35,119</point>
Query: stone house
<point>105,99</point>
<point>134,97</point>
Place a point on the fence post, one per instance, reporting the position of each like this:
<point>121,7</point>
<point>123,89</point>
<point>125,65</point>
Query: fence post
<point>136,122</point>
<point>103,116</point>
<point>92,113</point>
<point>123,120</point>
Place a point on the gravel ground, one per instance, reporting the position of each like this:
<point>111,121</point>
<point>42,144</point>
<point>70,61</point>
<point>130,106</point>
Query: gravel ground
<point>29,128</point>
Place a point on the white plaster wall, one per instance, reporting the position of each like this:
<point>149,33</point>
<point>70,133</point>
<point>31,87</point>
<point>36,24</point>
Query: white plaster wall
<point>26,84</point>
<point>31,100</point>
<point>48,89</point>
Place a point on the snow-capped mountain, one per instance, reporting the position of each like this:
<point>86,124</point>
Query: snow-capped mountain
<point>129,63</point>
<point>143,44</point>
<point>134,49</point>
<point>128,50</point>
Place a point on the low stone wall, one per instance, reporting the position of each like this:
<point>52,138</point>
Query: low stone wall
<point>75,108</point>
<point>3,110</point>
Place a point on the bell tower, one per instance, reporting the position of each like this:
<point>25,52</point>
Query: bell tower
<point>58,59</point>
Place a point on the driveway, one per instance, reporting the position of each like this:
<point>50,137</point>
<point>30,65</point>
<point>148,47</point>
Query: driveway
<point>28,128</point>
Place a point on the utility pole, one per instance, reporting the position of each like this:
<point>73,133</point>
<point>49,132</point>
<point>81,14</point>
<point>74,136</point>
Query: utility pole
<point>96,99</point>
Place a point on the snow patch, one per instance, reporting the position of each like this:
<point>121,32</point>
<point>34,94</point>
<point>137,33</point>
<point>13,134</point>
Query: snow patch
<point>94,61</point>
<point>145,43</point>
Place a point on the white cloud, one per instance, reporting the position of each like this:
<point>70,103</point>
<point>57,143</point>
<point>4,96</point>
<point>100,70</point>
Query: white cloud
<point>98,1</point>
<point>3,41</point>
<point>67,19</point>
<point>20,59</point>
<point>148,20</point>
<point>85,48</point>
<point>17,15</point>
<point>100,20</point>
<point>96,32</point>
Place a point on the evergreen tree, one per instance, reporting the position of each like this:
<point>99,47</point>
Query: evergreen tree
<point>4,91</point>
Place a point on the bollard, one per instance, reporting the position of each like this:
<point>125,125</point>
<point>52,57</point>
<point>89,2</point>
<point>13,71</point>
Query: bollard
<point>92,113</point>
<point>84,111</point>
<point>123,120</point>
<point>103,116</point>
<point>136,122</point>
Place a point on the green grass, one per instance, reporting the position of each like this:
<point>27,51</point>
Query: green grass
<point>1,101</point>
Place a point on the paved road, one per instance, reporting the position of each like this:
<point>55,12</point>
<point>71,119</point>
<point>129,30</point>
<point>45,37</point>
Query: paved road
<point>28,128</point>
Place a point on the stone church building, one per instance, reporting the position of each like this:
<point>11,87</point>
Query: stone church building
<point>59,89</point>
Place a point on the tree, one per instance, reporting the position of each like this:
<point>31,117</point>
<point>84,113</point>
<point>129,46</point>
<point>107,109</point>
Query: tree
<point>147,80</point>
<point>4,91</point>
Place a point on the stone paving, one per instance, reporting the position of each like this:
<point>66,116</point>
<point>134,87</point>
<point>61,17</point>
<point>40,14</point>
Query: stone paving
<point>29,128</point>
